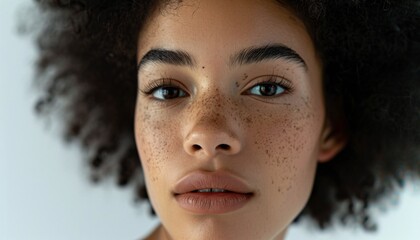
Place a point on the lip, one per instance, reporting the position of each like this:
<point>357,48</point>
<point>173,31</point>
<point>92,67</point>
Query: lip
<point>203,180</point>
<point>211,202</point>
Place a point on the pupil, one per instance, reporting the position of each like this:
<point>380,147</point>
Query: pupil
<point>268,89</point>
<point>169,92</point>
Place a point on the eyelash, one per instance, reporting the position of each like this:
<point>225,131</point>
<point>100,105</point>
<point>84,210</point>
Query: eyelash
<point>167,82</point>
<point>278,80</point>
<point>163,82</point>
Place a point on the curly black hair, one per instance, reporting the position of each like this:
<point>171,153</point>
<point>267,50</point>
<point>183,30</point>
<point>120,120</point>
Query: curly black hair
<point>370,50</point>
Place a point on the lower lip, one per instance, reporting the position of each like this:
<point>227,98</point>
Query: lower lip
<point>212,203</point>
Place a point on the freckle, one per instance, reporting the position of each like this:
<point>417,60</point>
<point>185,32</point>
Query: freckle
<point>245,77</point>
<point>237,84</point>
<point>279,189</point>
<point>248,120</point>
<point>203,67</point>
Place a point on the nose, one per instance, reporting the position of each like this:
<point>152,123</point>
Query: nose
<point>210,141</point>
<point>211,127</point>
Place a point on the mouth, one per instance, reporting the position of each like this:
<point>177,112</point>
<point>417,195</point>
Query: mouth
<point>211,193</point>
<point>207,190</point>
<point>220,181</point>
<point>214,202</point>
<point>214,190</point>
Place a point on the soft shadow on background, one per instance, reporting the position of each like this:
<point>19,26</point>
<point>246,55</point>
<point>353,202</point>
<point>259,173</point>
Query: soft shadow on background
<point>44,187</point>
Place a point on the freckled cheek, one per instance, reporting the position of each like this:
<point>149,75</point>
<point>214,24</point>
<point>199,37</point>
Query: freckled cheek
<point>284,167</point>
<point>155,143</point>
<point>154,136</point>
<point>284,143</point>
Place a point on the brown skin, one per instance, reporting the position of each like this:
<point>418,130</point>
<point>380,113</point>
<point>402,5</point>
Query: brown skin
<point>275,142</point>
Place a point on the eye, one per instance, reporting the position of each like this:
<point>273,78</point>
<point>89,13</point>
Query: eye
<point>167,92</point>
<point>164,89</point>
<point>267,89</point>
<point>271,87</point>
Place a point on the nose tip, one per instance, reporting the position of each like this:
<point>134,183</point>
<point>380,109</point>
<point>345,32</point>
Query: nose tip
<point>211,144</point>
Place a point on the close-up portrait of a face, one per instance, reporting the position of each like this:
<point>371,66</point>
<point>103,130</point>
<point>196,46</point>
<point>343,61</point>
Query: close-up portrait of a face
<point>226,119</point>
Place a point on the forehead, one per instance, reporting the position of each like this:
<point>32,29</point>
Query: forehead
<point>215,28</point>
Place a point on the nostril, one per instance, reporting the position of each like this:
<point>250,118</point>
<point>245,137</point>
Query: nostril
<point>196,147</point>
<point>224,146</point>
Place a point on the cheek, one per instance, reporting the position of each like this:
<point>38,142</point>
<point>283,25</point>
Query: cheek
<point>284,135</point>
<point>155,138</point>
<point>285,143</point>
<point>158,143</point>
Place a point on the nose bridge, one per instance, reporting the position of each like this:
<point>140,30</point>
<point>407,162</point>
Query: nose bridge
<point>212,108</point>
<point>209,128</point>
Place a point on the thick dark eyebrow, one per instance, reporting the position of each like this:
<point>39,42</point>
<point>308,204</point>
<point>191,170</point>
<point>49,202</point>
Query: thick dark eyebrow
<point>267,52</point>
<point>179,58</point>
<point>245,56</point>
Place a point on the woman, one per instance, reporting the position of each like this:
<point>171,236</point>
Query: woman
<point>249,114</point>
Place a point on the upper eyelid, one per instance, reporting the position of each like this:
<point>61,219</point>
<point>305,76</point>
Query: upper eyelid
<point>159,83</point>
<point>272,78</point>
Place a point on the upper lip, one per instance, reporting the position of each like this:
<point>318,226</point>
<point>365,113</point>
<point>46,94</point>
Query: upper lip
<point>204,180</point>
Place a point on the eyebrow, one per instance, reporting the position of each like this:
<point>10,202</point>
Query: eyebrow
<point>267,52</point>
<point>245,56</point>
<point>159,55</point>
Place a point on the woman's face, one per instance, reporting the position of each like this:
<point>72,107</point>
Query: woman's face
<point>234,91</point>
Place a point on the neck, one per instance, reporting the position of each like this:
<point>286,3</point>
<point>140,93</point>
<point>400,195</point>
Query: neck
<point>159,233</point>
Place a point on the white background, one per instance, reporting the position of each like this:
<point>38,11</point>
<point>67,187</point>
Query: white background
<point>44,189</point>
